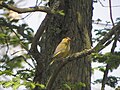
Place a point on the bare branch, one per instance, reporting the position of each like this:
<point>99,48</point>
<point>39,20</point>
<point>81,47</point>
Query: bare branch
<point>105,77</point>
<point>27,61</point>
<point>38,34</point>
<point>107,6</point>
<point>25,10</point>
<point>111,13</point>
<point>45,9</point>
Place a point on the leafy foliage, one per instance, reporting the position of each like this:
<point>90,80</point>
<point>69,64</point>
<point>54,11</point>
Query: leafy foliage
<point>15,39</point>
<point>112,81</point>
<point>112,59</point>
<point>16,82</point>
<point>70,86</point>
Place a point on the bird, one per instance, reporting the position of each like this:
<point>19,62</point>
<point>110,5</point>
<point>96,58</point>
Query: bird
<point>62,50</point>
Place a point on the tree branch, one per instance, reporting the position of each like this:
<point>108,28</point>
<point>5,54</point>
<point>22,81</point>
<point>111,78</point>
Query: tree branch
<point>105,76</point>
<point>111,13</point>
<point>38,34</point>
<point>107,37</point>
<point>102,44</point>
<point>64,62</point>
<point>25,10</point>
<point>45,9</point>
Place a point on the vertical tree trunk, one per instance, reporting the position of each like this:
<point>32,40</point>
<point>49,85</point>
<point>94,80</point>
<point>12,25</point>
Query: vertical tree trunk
<point>76,24</point>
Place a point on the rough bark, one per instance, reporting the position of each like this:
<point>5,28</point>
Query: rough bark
<point>76,24</point>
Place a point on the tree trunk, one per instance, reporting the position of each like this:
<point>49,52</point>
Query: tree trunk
<point>76,24</point>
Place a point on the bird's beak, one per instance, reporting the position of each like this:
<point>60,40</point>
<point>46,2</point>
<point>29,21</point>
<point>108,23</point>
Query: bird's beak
<point>68,38</point>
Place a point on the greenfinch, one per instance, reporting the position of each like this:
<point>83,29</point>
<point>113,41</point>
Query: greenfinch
<point>62,50</point>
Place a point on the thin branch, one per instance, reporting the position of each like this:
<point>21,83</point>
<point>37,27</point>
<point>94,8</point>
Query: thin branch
<point>25,10</point>
<point>36,2</point>
<point>45,9</point>
<point>24,47</point>
<point>40,3</point>
<point>107,37</point>
<point>17,52</point>
<point>105,76</point>
<point>26,61</point>
<point>102,24</point>
<point>38,34</point>
<point>111,13</point>
<point>42,28</point>
<point>26,15</point>
<point>107,6</point>
<point>19,39</point>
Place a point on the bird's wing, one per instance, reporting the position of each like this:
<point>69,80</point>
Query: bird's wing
<point>60,49</point>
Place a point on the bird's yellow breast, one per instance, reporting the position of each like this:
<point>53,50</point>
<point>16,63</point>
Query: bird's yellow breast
<point>62,49</point>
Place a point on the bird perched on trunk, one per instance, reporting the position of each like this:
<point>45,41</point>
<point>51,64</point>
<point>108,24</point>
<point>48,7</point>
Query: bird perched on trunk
<point>62,50</point>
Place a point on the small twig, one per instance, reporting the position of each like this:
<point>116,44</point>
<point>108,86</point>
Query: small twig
<point>8,24</point>
<point>32,60</point>
<point>40,3</point>
<point>26,16</point>
<point>27,62</point>
<point>107,6</point>
<point>111,13</point>
<point>36,2</point>
<point>16,52</point>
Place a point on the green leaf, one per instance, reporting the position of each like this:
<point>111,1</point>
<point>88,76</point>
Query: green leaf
<point>61,12</point>
<point>2,35</point>
<point>8,84</point>
<point>67,86</point>
<point>112,81</point>
<point>80,84</point>
<point>6,72</point>
<point>16,85</point>
<point>17,62</point>
<point>27,84</point>
<point>41,86</point>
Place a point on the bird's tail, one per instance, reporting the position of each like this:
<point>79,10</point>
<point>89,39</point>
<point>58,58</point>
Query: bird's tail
<point>52,62</point>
